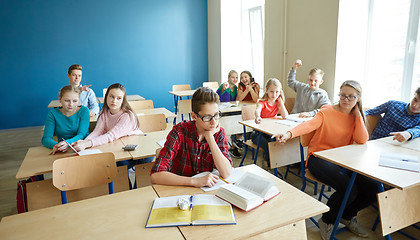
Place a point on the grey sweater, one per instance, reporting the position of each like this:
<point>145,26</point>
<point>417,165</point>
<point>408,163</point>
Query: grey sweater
<point>306,100</point>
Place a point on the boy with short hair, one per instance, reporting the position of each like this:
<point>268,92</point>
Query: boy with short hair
<point>309,97</point>
<point>195,146</point>
<point>87,95</point>
<point>402,120</point>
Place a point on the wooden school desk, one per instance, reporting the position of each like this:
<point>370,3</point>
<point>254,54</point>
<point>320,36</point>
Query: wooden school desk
<point>363,159</point>
<point>147,144</point>
<point>166,112</point>
<point>129,98</point>
<point>282,217</point>
<point>231,116</point>
<point>287,153</point>
<point>117,216</point>
<point>38,161</point>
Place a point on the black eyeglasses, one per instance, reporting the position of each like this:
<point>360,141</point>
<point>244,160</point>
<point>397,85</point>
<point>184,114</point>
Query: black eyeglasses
<point>207,118</point>
<point>350,98</point>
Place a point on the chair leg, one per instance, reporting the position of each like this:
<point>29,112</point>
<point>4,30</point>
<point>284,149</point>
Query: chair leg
<point>243,157</point>
<point>63,197</point>
<point>321,193</point>
<point>277,173</point>
<point>111,187</point>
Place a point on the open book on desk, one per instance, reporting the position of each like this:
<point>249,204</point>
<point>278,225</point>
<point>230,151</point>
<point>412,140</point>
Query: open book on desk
<point>248,192</point>
<point>204,209</point>
<point>235,175</point>
<point>400,161</point>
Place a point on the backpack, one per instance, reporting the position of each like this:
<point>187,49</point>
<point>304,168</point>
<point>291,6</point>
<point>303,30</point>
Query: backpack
<point>21,199</point>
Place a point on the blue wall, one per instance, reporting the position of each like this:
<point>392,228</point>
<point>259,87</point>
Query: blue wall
<point>147,45</point>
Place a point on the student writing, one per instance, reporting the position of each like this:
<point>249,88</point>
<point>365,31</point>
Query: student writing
<point>87,95</point>
<point>329,134</point>
<point>195,146</point>
<point>309,97</point>
<point>402,120</point>
<point>69,122</point>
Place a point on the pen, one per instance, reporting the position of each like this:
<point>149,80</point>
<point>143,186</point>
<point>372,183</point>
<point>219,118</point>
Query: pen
<point>224,180</point>
<point>191,206</point>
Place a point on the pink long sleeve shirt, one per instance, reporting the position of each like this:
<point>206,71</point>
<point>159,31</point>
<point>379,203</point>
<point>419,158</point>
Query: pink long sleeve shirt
<point>110,127</point>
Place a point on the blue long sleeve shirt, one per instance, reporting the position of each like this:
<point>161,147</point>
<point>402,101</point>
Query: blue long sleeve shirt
<point>71,128</point>
<point>396,119</point>
<point>88,99</point>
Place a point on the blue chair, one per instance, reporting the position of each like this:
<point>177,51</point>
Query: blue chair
<point>78,172</point>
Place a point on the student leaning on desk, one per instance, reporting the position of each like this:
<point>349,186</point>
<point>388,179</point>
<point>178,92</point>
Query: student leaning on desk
<point>69,122</point>
<point>271,104</point>
<point>87,95</point>
<point>195,146</point>
<point>309,97</point>
<point>335,126</point>
<point>402,120</point>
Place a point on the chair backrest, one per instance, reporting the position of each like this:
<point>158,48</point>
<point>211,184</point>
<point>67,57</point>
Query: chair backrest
<point>372,122</point>
<point>184,106</point>
<point>181,87</point>
<point>152,122</point>
<point>305,139</point>
<point>84,171</point>
<point>144,104</point>
<point>143,172</point>
<point>248,112</point>
<point>104,91</point>
<point>289,103</point>
<point>212,85</point>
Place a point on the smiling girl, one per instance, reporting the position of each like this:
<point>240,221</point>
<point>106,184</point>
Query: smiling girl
<point>248,89</point>
<point>69,122</point>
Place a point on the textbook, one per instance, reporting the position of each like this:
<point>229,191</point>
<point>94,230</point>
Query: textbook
<point>400,161</point>
<point>235,175</point>
<point>203,209</point>
<point>248,192</point>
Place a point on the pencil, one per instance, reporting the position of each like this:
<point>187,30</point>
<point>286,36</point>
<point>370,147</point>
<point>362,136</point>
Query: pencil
<point>224,180</point>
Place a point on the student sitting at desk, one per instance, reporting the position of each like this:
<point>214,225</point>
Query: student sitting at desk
<point>271,104</point>
<point>69,122</point>
<point>195,146</point>
<point>402,120</point>
<point>116,120</point>
<point>309,97</point>
<point>336,126</point>
<point>87,95</point>
<point>228,91</point>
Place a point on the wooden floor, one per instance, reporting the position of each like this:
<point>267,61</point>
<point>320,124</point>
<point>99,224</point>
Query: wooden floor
<point>15,143</point>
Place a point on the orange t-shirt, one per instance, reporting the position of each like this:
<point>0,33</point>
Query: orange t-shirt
<point>267,110</point>
<point>332,129</point>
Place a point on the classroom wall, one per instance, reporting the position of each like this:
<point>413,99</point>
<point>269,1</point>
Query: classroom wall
<point>305,29</point>
<point>146,45</point>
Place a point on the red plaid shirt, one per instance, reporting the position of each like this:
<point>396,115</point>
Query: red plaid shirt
<point>184,155</point>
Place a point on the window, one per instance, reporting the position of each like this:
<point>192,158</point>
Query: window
<point>376,45</point>
<point>242,38</point>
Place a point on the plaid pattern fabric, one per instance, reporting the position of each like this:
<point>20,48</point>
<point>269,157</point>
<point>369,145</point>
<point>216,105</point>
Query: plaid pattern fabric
<point>184,155</point>
<point>396,119</point>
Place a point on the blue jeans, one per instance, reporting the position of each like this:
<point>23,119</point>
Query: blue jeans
<point>132,163</point>
<point>361,196</point>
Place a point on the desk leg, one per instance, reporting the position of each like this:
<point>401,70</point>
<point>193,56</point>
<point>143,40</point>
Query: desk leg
<point>176,107</point>
<point>343,205</point>
<point>258,147</point>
